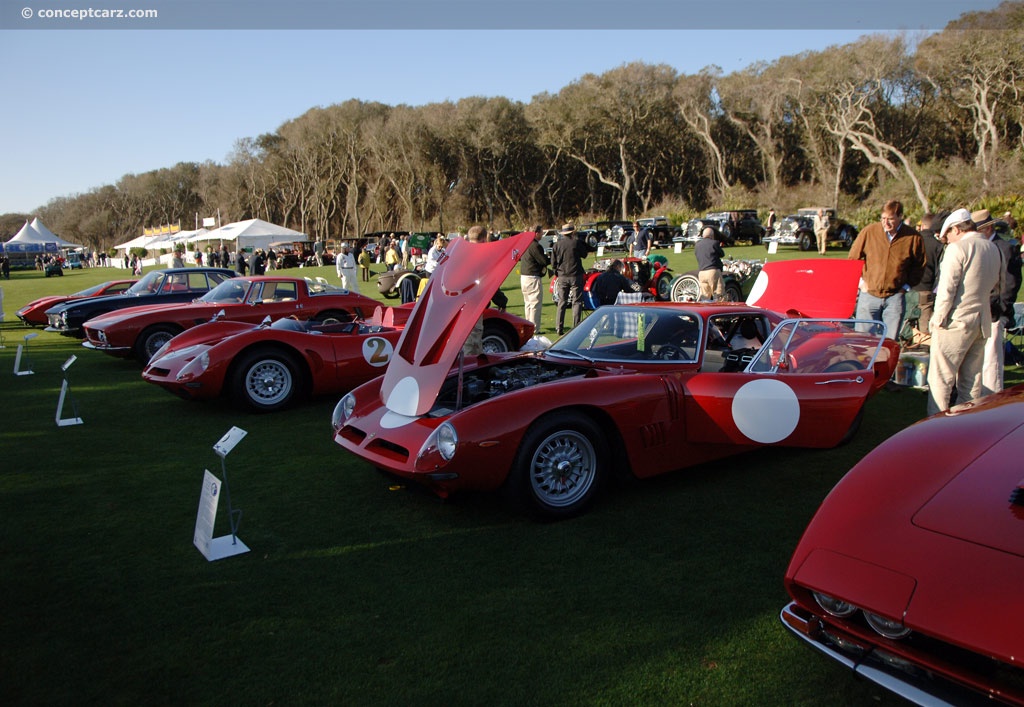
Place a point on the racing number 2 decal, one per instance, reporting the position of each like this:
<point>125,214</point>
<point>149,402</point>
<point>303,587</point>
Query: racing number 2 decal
<point>377,351</point>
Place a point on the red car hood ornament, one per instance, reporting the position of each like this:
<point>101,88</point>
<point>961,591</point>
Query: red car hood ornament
<point>455,296</point>
<point>809,288</point>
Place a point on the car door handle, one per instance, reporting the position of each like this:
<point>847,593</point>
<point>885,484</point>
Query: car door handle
<point>858,379</point>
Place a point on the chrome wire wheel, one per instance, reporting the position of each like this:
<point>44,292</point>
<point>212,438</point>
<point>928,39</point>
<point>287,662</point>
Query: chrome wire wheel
<point>268,382</point>
<point>563,468</point>
<point>686,289</point>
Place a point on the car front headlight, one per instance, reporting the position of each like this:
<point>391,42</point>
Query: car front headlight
<point>836,607</point>
<point>889,628</point>
<point>195,367</point>
<point>343,411</point>
<point>443,440</point>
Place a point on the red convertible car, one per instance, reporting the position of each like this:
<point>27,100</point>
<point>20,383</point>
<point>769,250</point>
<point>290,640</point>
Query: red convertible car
<point>911,572</point>
<point>34,313</point>
<point>141,331</point>
<point>266,367</point>
<point>642,389</point>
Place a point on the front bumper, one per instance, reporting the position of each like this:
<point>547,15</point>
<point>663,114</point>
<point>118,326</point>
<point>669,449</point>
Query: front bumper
<point>114,350</point>
<point>872,663</point>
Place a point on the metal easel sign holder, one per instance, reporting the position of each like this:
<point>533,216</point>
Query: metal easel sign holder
<point>64,386</point>
<point>23,348</point>
<point>226,545</point>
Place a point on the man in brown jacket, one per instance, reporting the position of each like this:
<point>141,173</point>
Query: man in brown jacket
<point>893,255</point>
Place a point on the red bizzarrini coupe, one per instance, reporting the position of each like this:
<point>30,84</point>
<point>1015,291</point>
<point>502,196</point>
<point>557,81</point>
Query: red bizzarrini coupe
<point>267,367</point>
<point>34,313</point>
<point>640,390</point>
<point>911,573</point>
<point>141,331</point>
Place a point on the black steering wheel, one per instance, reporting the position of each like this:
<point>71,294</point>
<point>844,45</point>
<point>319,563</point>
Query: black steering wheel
<point>670,352</point>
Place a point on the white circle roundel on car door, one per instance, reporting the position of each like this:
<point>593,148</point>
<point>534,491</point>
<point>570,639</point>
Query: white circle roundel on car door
<point>766,410</point>
<point>377,351</point>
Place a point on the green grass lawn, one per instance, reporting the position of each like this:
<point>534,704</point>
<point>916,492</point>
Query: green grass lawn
<point>358,591</point>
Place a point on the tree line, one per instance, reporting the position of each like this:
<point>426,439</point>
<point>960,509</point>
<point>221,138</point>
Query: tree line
<point>932,122</point>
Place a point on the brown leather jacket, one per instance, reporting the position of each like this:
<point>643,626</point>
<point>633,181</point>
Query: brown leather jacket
<point>889,266</point>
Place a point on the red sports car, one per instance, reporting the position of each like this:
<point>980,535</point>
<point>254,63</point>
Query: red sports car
<point>266,367</point>
<point>34,313</point>
<point>141,331</point>
<point>641,389</point>
<point>651,276</point>
<point>911,573</point>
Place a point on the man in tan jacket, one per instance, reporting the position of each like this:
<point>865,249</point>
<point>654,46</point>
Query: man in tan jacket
<point>972,268</point>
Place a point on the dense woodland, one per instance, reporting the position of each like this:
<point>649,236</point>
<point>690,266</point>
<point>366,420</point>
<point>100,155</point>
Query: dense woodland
<point>937,123</point>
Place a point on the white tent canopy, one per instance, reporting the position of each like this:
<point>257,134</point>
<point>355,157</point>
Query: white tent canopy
<point>31,233</point>
<point>139,242</point>
<point>254,233</point>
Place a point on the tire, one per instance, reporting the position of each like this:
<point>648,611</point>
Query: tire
<point>267,380</point>
<point>756,239</point>
<point>663,288</point>
<point>733,293</point>
<point>152,340</point>
<point>561,465</point>
<point>807,242</point>
<point>497,340</point>
<point>332,316</point>
<point>685,288</point>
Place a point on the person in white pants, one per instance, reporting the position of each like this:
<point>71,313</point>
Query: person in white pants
<point>345,264</point>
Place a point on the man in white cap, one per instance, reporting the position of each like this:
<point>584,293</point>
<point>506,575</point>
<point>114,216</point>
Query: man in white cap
<point>1002,303</point>
<point>345,263</point>
<point>972,268</point>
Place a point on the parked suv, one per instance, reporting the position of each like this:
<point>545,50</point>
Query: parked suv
<point>729,227</point>
<point>798,229</point>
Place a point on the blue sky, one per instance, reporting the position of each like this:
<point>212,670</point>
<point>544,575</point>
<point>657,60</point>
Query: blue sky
<point>87,107</point>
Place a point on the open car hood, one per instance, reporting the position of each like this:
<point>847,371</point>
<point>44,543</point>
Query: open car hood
<point>455,296</point>
<point>813,288</point>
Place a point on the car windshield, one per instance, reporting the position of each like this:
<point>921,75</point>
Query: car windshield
<point>228,292</point>
<point>316,287</point>
<point>636,334</point>
<point>820,346</point>
<point>148,285</point>
<point>89,290</point>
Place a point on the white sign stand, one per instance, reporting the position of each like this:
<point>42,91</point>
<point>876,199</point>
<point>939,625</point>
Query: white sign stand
<point>678,248</point>
<point>773,248</point>
<point>226,545</point>
<point>17,357</point>
<point>600,252</point>
<point>66,422</point>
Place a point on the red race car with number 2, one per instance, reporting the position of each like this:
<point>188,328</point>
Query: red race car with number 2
<point>639,389</point>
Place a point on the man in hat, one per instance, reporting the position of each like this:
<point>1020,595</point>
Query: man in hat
<point>345,264</point>
<point>893,255</point>
<point>567,261</point>
<point>972,268</point>
<point>532,267</point>
<point>1002,303</point>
